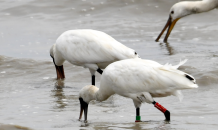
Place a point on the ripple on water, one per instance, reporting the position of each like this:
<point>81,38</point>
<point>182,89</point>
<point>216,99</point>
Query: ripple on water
<point>45,103</point>
<point>13,127</point>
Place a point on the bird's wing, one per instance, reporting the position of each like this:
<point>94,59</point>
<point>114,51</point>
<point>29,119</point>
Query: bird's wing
<point>89,46</point>
<point>136,75</point>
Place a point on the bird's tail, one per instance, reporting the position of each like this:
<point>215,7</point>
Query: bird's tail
<point>175,66</point>
<point>181,79</point>
<point>180,63</point>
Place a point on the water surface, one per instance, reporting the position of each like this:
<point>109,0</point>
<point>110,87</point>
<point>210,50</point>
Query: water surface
<point>29,94</point>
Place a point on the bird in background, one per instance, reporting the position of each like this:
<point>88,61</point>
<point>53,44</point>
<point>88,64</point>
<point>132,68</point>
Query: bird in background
<point>88,48</point>
<point>185,8</point>
<point>140,80</point>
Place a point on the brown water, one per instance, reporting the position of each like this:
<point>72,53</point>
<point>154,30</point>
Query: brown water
<point>30,98</point>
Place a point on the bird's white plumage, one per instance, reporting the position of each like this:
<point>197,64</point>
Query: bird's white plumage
<point>138,78</point>
<point>90,48</point>
<point>185,8</point>
<point>133,76</point>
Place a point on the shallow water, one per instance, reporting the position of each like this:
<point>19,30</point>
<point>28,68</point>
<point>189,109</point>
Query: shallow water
<point>29,95</point>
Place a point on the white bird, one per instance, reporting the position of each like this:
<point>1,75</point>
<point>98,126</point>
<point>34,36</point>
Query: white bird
<point>140,80</point>
<point>184,8</point>
<point>88,48</point>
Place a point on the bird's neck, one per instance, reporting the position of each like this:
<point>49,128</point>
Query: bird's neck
<point>99,97</point>
<point>102,96</point>
<point>59,60</point>
<point>204,6</point>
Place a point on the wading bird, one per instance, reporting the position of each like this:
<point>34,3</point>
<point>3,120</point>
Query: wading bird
<point>183,9</point>
<point>88,48</point>
<point>140,80</point>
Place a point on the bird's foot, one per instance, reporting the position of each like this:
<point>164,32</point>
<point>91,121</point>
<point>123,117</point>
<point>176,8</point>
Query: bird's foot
<point>167,115</point>
<point>138,119</point>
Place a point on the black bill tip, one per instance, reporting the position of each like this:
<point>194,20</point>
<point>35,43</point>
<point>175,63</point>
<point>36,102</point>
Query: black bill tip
<point>83,107</point>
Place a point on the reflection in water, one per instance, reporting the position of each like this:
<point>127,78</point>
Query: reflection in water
<point>159,125</point>
<point>168,47</point>
<point>59,83</point>
<point>137,126</point>
<point>59,96</point>
<point>83,124</point>
<point>163,125</point>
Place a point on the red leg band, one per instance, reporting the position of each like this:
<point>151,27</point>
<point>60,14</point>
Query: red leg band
<point>161,108</point>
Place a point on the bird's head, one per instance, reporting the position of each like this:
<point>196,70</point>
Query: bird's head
<point>177,11</point>
<point>59,68</point>
<point>86,94</point>
<point>182,9</point>
<point>136,55</point>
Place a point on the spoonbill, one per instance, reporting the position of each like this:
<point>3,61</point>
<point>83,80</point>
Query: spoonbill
<point>140,80</point>
<point>184,8</point>
<point>88,48</point>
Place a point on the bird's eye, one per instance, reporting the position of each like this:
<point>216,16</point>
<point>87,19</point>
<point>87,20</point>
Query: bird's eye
<point>135,53</point>
<point>172,12</point>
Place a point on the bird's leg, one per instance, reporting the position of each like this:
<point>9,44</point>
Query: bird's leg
<point>93,76</point>
<point>162,109</point>
<point>138,117</point>
<point>93,79</point>
<point>92,71</point>
<point>137,104</point>
<point>99,71</point>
